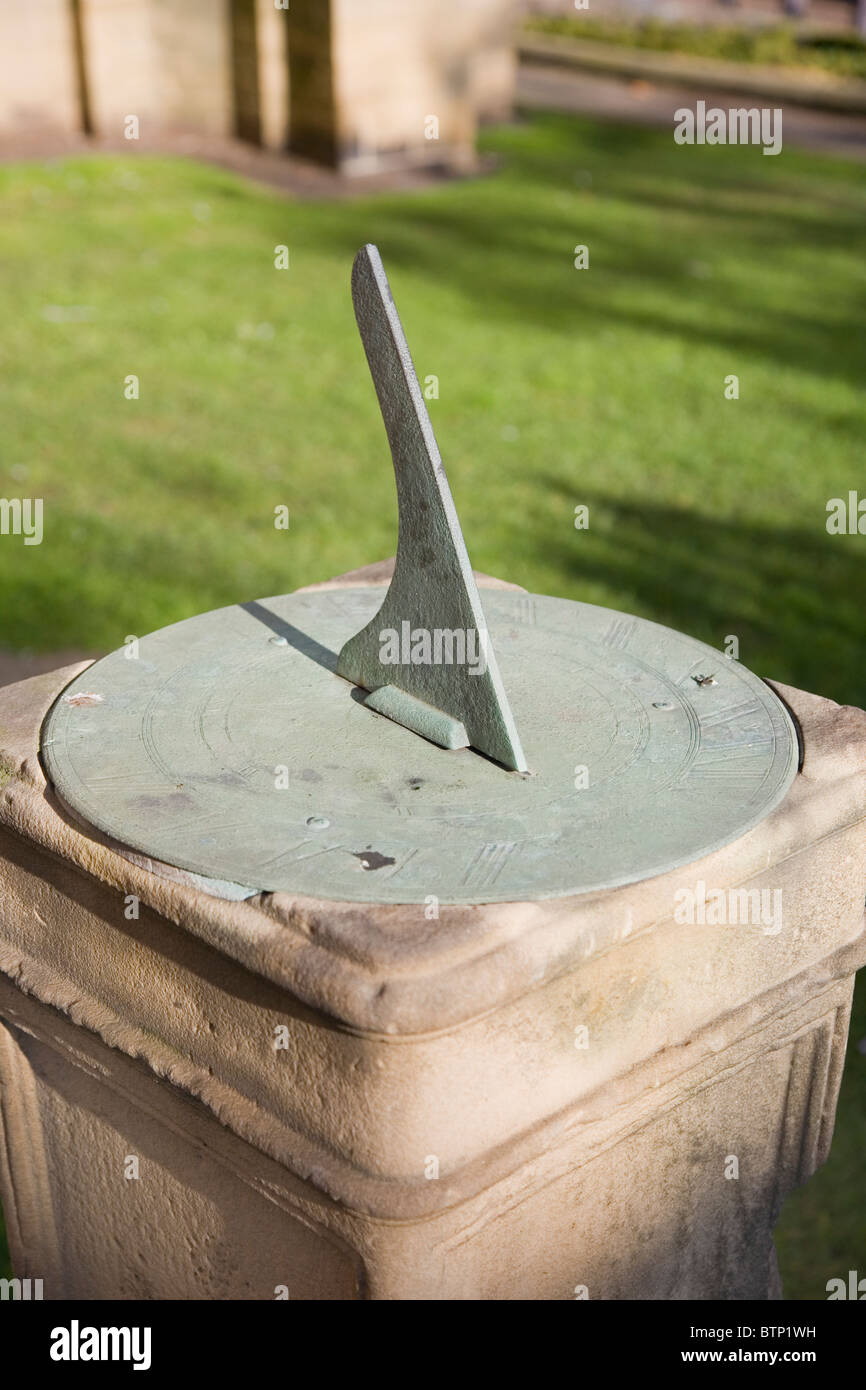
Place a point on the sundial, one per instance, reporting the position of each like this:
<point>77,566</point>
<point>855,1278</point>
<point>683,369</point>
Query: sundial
<point>354,747</point>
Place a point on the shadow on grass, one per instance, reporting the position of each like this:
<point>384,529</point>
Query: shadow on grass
<point>649,212</point>
<point>794,597</point>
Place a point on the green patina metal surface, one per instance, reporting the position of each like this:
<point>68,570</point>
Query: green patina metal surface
<point>232,749</point>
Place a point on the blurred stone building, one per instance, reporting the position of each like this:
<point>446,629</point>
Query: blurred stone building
<point>359,85</point>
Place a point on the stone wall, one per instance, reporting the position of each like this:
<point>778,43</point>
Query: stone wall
<point>39,89</point>
<point>407,82</point>
<point>350,83</point>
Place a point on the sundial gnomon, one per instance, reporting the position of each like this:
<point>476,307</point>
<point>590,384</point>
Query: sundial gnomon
<point>268,745</point>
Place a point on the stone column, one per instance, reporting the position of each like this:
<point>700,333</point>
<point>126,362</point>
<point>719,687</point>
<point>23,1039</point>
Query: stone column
<point>40,89</point>
<point>273,69</point>
<point>379,84</point>
<point>543,1100</point>
<point>173,66</point>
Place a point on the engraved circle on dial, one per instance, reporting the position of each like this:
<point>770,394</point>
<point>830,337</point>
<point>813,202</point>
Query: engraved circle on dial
<point>229,748</point>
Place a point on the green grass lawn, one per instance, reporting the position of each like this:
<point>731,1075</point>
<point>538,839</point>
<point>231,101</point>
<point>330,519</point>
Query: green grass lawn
<point>557,387</point>
<point>776,45</point>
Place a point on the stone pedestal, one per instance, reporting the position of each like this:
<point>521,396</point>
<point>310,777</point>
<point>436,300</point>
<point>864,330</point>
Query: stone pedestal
<point>584,1096</point>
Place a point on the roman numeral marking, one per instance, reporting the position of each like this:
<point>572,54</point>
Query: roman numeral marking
<point>139,785</point>
<point>398,868</point>
<point>320,849</point>
<point>731,715</point>
<point>618,632</point>
<point>486,866</point>
<point>524,610</point>
<point>731,772</point>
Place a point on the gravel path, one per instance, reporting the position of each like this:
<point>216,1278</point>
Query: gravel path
<point>540,86</point>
